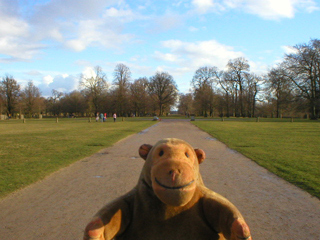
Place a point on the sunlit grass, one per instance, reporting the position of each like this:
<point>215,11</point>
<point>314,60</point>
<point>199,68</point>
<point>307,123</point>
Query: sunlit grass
<point>290,150</point>
<point>30,151</point>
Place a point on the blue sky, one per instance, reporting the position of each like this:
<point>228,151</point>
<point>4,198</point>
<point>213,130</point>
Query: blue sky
<point>53,42</point>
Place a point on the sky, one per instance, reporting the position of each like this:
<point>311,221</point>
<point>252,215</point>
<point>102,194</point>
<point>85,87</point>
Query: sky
<point>53,42</point>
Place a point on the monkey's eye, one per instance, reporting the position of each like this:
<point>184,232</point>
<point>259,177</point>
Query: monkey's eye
<point>187,155</point>
<point>161,153</point>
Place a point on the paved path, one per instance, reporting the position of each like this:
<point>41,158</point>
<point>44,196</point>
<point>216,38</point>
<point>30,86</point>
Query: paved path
<point>60,206</point>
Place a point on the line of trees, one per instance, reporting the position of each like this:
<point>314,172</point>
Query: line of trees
<point>232,92</point>
<point>126,97</point>
<point>290,89</point>
<point>13,100</point>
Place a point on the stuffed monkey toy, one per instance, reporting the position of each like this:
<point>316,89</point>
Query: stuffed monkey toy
<point>170,202</point>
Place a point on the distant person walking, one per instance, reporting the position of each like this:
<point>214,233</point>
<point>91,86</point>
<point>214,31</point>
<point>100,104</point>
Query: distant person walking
<point>114,117</point>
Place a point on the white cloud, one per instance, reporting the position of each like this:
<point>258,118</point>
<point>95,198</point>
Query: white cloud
<point>72,9</point>
<point>259,68</point>
<point>89,72</point>
<point>233,3</point>
<point>124,15</point>
<point>184,58</point>
<point>12,26</point>
<point>168,57</point>
<point>169,20</point>
<point>193,29</point>
<point>97,33</point>
<point>198,54</point>
<point>56,34</point>
<point>33,73</point>
<point>271,9</point>
<point>75,24</point>
<point>77,45</point>
<point>308,5</point>
<point>139,70</point>
<point>18,49</point>
<point>47,80</point>
<point>266,9</point>
<point>15,35</point>
<point>289,49</point>
<point>204,6</point>
<point>61,82</point>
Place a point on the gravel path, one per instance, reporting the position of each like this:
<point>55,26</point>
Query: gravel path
<point>61,205</point>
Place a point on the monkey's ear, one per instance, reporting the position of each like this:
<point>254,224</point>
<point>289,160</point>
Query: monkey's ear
<point>200,154</point>
<point>144,150</point>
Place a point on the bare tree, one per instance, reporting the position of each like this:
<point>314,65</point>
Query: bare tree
<point>228,86</point>
<point>74,103</point>
<point>10,91</point>
<point>53,102</point>
<point>238,69</point>
<point>303,69</point>
<point>122,75</point>
<point>140,99</point>
<point>122,78</point>
<point>186,104</point>
<point>280,89</point>
<point>163,90</point>
<point>204,76</point>
<point>252,89</point>
<point>203,90</point>
<point>30,97</point>
<point>93,87</point>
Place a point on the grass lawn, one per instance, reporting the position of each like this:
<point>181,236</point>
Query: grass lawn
<point>290,150</point>
<point>30,151</point>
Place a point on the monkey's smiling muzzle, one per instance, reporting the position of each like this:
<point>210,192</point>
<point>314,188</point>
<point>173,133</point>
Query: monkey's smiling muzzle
<point>175,187</point>
<point>173,181</point>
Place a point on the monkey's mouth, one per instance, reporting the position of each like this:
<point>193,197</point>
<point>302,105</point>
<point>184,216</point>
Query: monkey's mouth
<point>174,188</point>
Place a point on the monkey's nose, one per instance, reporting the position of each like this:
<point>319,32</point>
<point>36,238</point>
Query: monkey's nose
<point>174,173</point>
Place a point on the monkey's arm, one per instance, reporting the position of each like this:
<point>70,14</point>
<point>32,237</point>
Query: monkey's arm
<point>110,221</point>
<point>225,218</point>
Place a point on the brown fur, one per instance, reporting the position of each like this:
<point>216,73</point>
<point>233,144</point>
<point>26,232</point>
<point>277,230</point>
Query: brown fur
<point>170,201</point>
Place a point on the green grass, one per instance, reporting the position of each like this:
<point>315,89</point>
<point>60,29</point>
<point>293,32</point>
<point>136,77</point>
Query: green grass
<point>290,150</point>
<point>32,150</point>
